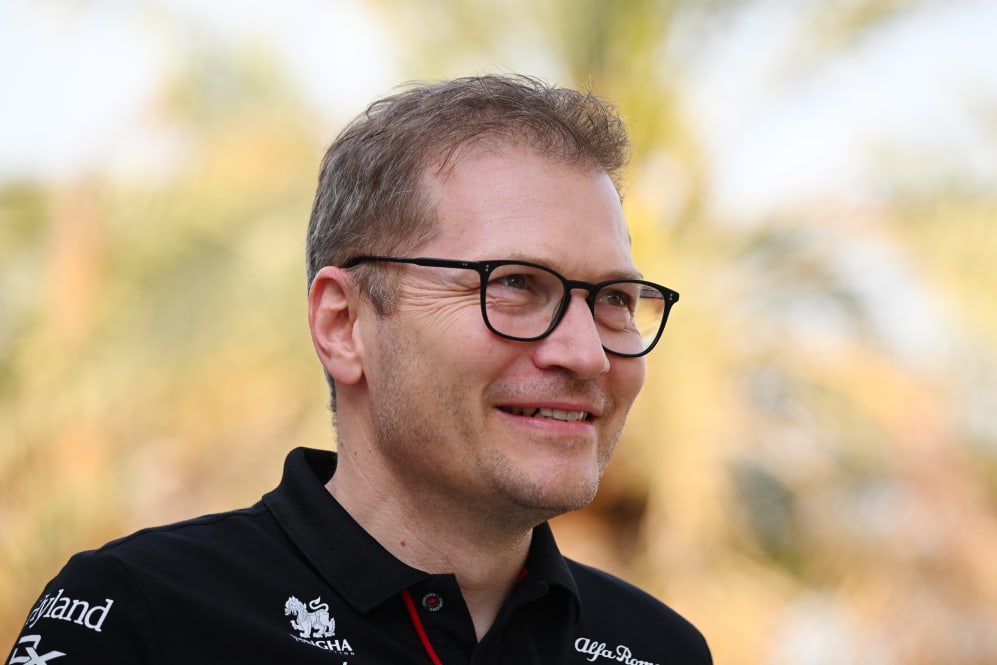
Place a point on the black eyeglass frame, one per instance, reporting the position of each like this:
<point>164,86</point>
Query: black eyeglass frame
<point>485,268</point>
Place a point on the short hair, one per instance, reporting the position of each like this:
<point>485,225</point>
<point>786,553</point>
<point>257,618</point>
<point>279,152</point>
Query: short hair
<point>369,199</point>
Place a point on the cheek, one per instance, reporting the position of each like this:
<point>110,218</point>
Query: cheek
<point>626,379</point>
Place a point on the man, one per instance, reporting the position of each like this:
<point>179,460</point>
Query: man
<point>477,393</point>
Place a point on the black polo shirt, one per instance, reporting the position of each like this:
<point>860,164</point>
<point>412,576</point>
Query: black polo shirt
<point>294,579</point>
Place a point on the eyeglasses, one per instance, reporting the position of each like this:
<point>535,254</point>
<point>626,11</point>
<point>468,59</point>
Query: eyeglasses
<point>525,301</point>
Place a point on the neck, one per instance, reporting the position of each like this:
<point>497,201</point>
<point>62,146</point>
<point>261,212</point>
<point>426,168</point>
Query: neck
<point>430,533</point>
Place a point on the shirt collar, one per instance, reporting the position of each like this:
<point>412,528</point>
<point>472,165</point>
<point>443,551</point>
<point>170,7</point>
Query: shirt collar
<point>333,542</point>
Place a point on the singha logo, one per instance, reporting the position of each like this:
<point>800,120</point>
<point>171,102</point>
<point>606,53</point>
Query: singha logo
<point>312,620</point>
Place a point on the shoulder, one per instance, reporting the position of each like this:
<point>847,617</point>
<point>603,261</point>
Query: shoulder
<point>193,553</point>
<point>117,603</point>
<point>168,563</point>
<point>197,535</point>
<point>623,622</point>
<point>88,608</point>
<point>602,589</point>
<point>190,545</point>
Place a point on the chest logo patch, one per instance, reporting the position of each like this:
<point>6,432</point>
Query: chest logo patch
<point>315,626</point>
<point>310,620</point>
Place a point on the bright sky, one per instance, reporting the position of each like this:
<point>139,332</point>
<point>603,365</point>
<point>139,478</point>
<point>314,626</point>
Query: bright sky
<point>76,78</point>
<point>923,90</point>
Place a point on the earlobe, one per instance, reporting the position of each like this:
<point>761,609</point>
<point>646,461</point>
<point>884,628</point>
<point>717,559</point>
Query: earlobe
<point>332,317</point>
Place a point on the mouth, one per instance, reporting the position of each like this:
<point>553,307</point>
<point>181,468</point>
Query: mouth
<point>543,412</point>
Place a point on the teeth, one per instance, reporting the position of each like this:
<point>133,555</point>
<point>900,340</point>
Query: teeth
<point>555,414</point>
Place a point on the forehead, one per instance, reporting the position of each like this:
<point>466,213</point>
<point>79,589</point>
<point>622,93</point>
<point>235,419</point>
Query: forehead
<point>508,201</point>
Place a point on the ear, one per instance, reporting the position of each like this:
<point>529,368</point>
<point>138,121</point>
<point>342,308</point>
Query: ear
<point>333,304</point>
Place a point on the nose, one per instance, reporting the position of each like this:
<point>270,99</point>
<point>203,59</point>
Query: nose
<point>574,344</point>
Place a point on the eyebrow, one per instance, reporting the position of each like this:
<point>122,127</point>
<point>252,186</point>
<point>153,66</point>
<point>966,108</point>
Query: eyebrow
<point>614,274</point>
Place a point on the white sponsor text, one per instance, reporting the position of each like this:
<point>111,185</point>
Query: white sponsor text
<point>62,607</point>
<point>595,650</point>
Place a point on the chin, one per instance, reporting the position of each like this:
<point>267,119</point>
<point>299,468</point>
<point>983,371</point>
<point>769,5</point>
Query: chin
<point>557,496</point>
<point>549,485</point>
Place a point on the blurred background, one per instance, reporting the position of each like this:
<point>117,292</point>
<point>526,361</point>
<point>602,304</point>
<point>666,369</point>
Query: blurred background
<point>811,473</point>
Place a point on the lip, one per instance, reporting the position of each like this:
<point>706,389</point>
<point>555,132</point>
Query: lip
<point>592,413</point>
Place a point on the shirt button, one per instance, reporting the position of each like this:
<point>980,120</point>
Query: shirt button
<point>433,602</point>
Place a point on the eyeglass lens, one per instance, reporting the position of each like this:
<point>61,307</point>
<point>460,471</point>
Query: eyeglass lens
<point>523,302</point>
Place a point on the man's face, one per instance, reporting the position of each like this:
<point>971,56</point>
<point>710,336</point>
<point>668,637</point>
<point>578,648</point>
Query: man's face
<point>451,402</point>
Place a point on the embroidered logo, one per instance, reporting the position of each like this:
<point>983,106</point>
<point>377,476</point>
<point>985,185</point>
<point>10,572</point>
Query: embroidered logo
<point>313,625</point>
<point>595,650</point>
<point>26,652</point>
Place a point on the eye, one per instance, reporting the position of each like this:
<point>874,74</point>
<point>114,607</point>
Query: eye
<point>517,285</point>
<point>513,281</point>
<point>616,298</point>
